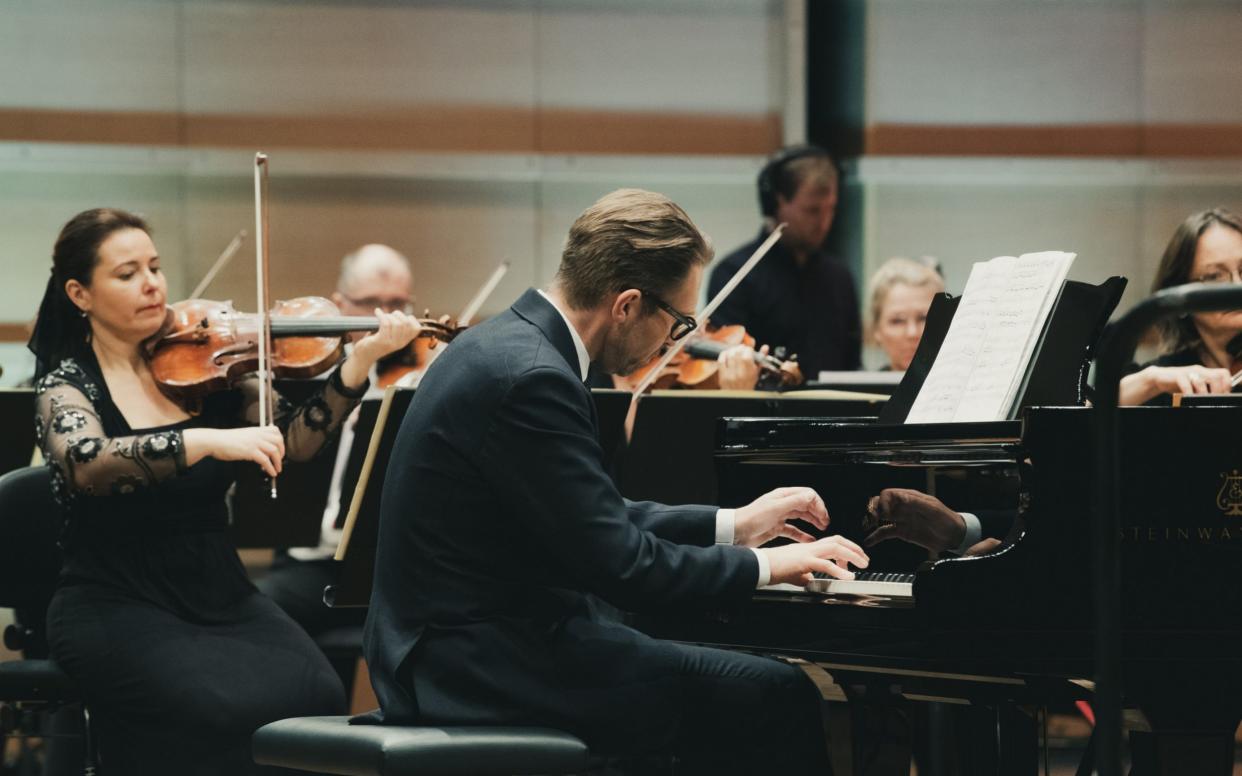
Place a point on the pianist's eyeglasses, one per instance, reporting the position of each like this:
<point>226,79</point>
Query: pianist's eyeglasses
<point>682,324</point>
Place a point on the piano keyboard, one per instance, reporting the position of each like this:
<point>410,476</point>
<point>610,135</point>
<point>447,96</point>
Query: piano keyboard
<point>868,583</point>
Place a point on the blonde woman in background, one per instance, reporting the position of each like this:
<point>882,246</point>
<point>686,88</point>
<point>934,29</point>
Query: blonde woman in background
<point>901,291</point>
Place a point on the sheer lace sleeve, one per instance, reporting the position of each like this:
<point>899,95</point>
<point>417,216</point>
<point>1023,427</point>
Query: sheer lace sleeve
<point>84,459</point>
<point>309,425</point>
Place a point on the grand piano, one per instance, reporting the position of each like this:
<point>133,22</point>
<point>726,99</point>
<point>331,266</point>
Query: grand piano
<point>1005,634</point>
<point>1014,627</point>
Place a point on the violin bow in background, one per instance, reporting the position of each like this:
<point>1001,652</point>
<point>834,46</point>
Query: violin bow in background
<point>472,308</point>
<point>225,257</point>
<point>707,311</point>
<point>267,404</point>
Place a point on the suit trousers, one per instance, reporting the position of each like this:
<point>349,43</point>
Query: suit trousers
<point>627,695</point>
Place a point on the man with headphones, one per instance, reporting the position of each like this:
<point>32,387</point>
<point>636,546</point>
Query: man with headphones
<point>799,297</point>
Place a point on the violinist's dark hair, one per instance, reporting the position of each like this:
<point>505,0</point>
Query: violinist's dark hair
<point>61,330</point>
<point>1179,258</point>
<point>629,239</point>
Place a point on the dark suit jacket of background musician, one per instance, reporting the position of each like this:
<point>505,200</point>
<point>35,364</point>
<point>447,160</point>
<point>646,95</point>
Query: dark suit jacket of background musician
<point>498,522</point>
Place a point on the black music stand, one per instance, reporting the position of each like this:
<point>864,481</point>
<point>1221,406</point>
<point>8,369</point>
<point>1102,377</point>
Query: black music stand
<point>611,407</point>
<point>864,382</point>
<point>357,550</point>
<point>1057,374</point>
<point>670,455</point>
<point>17,416</point>
<point>294,517</point>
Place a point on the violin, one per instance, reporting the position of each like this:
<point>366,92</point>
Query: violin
<point>697,365</point>
<point>418,355</point>
<point>206,345</point>
<point>412,358</point>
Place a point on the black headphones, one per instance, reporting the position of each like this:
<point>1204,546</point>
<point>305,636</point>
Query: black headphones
<point>769,176</point>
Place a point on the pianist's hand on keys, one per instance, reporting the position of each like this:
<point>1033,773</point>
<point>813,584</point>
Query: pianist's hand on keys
<point>795,564</point>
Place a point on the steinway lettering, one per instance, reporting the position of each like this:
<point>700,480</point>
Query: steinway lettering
<point>1198,533</point>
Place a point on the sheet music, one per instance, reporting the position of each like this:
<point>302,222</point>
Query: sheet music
<point>992,338</point>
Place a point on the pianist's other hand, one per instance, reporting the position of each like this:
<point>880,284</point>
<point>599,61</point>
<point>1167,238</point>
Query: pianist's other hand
<point>771,515</point>
<point>901,513</point>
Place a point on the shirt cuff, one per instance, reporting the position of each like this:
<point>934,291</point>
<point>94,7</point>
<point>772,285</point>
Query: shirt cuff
<point>724,526</point>
<point>338,385</point>
<point>765,569</point>
<point>974,532</point>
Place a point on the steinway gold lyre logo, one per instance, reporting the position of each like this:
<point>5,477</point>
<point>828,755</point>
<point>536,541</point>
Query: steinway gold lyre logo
<point>1229,499</point>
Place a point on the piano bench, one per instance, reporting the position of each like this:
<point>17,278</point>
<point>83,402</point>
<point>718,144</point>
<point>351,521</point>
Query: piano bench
<point>332,745</point>
<point>36,681</point>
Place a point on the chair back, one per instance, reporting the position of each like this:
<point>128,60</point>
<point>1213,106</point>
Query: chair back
<point>29,558</point>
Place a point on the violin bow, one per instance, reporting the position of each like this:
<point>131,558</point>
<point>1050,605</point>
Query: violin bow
<point>224,258</point>
<point>707,311</point>
<point>267,404</point>
<point>472,308</point>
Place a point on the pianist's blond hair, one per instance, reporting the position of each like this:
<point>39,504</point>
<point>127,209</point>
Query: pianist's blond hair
<point>629,239</point>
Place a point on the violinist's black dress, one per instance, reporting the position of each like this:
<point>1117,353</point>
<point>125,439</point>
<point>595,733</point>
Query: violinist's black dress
<point>179,658</point>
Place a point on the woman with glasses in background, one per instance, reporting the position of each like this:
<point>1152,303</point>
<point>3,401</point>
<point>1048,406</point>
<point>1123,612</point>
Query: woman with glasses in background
<point>1206,248</point>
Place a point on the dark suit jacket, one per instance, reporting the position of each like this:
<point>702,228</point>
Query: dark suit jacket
<point>498,522</point>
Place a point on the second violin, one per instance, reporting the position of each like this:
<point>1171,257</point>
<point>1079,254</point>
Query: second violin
<point>205,344</point>
<point>698,366</point>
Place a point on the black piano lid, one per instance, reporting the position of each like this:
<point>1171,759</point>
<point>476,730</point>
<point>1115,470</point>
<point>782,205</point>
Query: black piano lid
<point>751,436</point>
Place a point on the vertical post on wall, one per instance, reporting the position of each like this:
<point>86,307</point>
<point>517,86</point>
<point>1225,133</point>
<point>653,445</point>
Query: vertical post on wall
<point>793,103</point>
<point>834,45</point>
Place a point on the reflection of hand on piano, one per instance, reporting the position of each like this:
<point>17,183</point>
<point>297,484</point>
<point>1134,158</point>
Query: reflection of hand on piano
<point>985,547</point>
<point>901,513</point>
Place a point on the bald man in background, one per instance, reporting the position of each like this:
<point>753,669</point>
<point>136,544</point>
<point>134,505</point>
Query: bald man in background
<point>370,277</point>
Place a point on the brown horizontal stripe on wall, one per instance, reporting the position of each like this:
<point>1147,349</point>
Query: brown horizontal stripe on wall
<point>983,140</point>
<point>466,129</point>
<point>14,332</point>
<point>595,132</point>
<point>69,126</point>
<point>1193,140</point>
<point>1139,140</point>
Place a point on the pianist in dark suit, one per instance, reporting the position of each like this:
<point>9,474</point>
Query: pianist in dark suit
<point>1205,248</point>
<point>500,532</point>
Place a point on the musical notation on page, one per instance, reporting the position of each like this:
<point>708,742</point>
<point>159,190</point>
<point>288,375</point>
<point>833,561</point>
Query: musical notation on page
<point>992,339</point>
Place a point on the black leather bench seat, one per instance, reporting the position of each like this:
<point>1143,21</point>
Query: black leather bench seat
<point>35,680</point>
<point>332,745</point>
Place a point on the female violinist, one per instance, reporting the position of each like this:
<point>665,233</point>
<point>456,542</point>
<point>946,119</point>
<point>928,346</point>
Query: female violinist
<point>177,655</point>
<point>1206,248</point>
